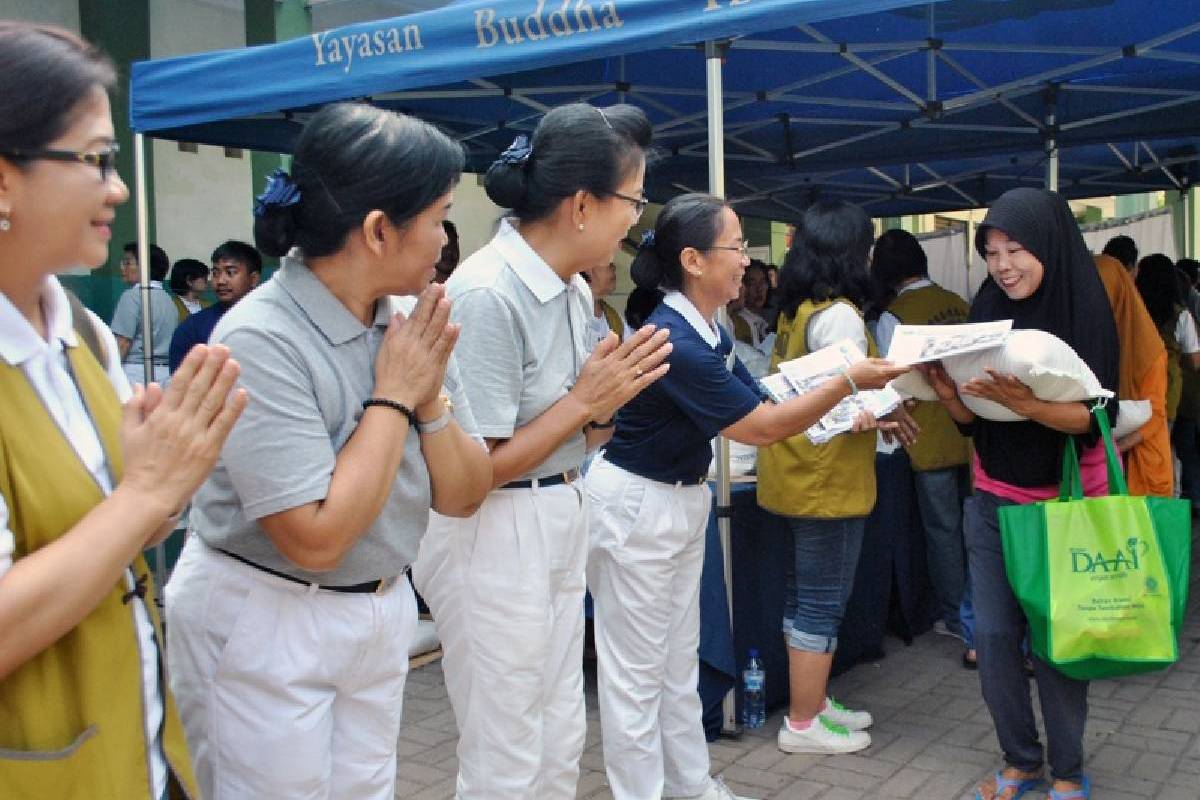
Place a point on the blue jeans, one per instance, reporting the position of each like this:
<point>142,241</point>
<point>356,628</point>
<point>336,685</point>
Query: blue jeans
<point>940,494</point>
<point>820,580</point>
<point>1000,629</point>
<point>1183,439</point>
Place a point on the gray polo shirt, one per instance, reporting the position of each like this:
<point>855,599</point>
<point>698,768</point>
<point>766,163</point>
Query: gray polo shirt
<point>308,364</point>
<point>525,337</point>
<point>127,321</point>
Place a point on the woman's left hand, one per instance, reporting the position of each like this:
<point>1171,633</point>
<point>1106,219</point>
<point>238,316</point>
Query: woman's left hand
<point>865,421</point>
<point>1003,389</point>
<point>900,426</point>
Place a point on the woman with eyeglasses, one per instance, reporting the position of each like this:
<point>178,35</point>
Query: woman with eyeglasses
<point>84,486</point>
<point>506,586</point>
<point>651,501</point>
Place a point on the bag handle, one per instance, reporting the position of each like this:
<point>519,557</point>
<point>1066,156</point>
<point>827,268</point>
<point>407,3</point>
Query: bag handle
<point>1071,487</point>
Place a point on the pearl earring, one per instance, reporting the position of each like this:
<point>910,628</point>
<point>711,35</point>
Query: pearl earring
<point>5,224</point>
<point>581,226</point>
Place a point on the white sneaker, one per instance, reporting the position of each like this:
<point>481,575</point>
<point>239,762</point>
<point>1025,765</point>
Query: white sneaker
<point>717,790</point>
<point>854,720</point>
<point>822,737</point>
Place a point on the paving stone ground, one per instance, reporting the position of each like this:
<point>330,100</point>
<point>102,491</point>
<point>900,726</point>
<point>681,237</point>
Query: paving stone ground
<point>932,737</point>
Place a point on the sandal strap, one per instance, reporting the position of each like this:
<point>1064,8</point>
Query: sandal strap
<point>1023,785</point>
<point>1082,793</point>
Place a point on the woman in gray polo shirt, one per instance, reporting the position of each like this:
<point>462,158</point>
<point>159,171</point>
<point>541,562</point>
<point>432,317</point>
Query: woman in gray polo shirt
<point>289,613</point>
<point>506,586</point>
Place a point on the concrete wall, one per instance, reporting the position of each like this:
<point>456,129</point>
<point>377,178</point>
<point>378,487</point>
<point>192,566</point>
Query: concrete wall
<point>203,198</point>
<point>54,12</point>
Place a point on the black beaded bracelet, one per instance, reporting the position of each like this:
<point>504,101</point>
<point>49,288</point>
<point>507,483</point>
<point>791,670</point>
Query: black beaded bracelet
<point>599,426</point>
<point>392,404</point>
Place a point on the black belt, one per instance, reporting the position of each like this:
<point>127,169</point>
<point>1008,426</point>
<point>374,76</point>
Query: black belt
<point>569,476</point>
<point>370,587</point>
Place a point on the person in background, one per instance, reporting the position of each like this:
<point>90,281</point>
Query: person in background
<point>84,485</point>
<point>745,311</point>
<point>1160,290</point>
<point>290,615</point>
<point>1041,276</point>
<point>189,279</point>
<point>1191,269</point>
<point>449,258</point>
<point>506,586</point>
<point>1124,250</point>
<point>602,281</point>
<point>652,502</point>
<point>939,456</point>
<point>127,318</point>
<point>236,269</point>
<point>1144,376</point>
<point>825,491</point>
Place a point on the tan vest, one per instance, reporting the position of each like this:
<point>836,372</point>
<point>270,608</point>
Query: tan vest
<point>1176,383</point>
<point>72,721</point>
<point>939,444</point>
<point>796,478</point>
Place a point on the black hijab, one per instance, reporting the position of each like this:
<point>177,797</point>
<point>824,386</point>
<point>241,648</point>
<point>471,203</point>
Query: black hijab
<point>1070,303</point>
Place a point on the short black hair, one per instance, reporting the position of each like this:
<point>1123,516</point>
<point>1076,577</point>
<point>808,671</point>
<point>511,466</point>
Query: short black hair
<point>159,263</point>
<point>687,220</point>
<point>828,258</point>
<point>1123,249</point>
<point>1190,267</point>
<point>184,272</point>
<point>242,253</point>
<point>45,73</point>
<point>574,147</point>
<point>451,230</point>
<point>1159,289</point>
<point>351,159</point>
<point>897,257</point>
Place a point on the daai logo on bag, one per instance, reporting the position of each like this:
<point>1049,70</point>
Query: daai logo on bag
<point>1126,559</point>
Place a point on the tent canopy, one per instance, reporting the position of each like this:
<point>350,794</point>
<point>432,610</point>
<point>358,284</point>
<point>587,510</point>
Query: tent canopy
<point>902,109</point>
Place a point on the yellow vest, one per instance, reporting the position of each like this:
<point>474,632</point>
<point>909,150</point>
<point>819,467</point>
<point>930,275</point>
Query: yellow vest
<point>72,722</point>
<point>615,323</point>
<point>796,478</point>
<point>939,444</point>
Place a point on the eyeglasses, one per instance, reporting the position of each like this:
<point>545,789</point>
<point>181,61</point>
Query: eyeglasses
<point>639,203</point>
<point>103,160</point>
<point>743,248</point>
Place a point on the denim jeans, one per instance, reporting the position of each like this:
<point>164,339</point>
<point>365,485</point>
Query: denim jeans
<point>820,580</point>
<point>940,494</point>
<point>1000,627</point>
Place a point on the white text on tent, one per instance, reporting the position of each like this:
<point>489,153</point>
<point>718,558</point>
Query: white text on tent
<point>339,49</point>
<point>538,26</point>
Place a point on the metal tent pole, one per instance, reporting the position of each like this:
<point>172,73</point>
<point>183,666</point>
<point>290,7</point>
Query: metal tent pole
<point>716,185</point>
<point>143,247</point>
<point>1052,138</point>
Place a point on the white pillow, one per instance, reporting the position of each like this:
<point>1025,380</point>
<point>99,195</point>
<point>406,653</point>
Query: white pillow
<point>913,384</point>
<point>1040,360</point>
<point>743,458</point>
<point>1134,414</point>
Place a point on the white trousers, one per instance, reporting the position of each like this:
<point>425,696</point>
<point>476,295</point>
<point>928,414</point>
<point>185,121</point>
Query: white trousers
<point>645,557</point>
<point>286,691</point>
<point>136,373</point>
<point>506,590</point>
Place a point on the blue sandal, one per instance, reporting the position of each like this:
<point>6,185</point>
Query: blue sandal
<point>1084,792</point>
<point>1022,785</point>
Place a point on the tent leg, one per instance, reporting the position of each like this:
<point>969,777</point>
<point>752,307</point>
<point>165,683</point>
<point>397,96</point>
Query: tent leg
<point>143,246</point>
<point>716,185</point>
<point>1052,139</point>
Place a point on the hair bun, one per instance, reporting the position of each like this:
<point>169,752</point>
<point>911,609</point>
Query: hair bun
<point>507,184</point>
<point>275,230</point>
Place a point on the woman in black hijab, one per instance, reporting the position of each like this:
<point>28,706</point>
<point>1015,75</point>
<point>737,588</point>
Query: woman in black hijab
<point>1041,276</point>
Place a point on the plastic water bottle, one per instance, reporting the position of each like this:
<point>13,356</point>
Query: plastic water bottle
<point>754,687</point>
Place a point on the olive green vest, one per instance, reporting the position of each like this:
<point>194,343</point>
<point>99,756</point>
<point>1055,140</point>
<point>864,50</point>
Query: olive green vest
<point>939,444</point>
<point>72,722</point>
<point>615,323</point>
<point>797,478</point>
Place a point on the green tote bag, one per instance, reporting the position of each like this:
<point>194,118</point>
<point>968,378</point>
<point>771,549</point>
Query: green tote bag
<point>1103,580</point>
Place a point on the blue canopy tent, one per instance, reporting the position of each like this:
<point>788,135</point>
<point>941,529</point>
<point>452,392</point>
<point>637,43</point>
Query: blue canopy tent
<point>898,107</point>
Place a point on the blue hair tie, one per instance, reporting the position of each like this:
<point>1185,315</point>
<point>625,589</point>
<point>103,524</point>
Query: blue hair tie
<point>648,239</point>
<point>281,192</point>
<point>518,152</point>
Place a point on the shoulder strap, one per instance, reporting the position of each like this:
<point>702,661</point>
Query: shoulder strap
<point>180,308</point>
<point>86,329</point>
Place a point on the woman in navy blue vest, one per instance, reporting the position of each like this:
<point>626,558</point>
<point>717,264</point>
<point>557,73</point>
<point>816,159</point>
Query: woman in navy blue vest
<point>651,500</point>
